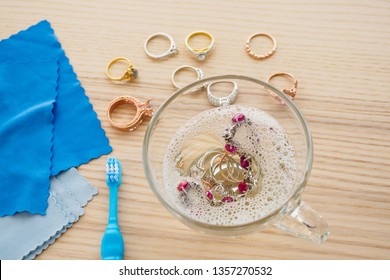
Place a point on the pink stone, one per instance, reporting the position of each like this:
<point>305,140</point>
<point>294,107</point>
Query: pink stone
<point>243,187</point>
<point>230,148</point>
<point>239,118</point>
<point>227,199</point>
<point>244,162</point>
<point>209,195</point>
<point>183,185</point>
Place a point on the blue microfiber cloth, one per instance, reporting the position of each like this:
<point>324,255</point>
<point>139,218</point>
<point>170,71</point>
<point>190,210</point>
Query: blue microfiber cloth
<point>27,62</point>
<point>27,94</point>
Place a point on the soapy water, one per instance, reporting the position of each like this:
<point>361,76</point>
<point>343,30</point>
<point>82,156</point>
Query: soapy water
<point>265,140</point>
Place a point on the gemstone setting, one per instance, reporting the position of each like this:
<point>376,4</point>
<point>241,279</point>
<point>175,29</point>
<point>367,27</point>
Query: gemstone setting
<point>183,185</point>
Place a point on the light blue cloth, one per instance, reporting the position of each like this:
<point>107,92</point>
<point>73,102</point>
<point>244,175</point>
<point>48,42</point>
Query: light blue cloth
<point>29,79</point>
<point>24,236</point>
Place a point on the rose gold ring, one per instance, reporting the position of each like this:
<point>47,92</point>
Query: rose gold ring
<point>144,109</point>
<point>293,90</point>
<point>260,56</point>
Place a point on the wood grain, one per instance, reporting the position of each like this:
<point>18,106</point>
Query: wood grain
<point>338,51</point>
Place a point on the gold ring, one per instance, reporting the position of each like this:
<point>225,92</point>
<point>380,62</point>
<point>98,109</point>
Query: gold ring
<point>130,74</point>
<point>201,53</point>
<point>144,109</point>
<point>293,90</point>
<point>260,56</point>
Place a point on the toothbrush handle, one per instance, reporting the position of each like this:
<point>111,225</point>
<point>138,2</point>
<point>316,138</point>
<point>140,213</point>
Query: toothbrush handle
<point>113,213</point>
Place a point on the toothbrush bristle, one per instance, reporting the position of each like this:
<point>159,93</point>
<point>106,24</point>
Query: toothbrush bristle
<point>113,173</point>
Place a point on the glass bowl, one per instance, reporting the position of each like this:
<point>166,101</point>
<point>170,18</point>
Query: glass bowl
<point>290,214</point>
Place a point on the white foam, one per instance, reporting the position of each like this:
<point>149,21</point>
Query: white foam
<point>265,139</point>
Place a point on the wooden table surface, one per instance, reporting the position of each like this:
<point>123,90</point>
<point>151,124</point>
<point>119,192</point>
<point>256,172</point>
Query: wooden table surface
<point>339,51</point>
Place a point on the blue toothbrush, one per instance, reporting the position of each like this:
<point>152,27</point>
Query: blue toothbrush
<point>112,243</point>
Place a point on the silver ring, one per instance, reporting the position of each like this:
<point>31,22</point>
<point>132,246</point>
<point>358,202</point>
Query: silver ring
<point>199,72</point>
<point>172,48</point>
<point>221,101</point>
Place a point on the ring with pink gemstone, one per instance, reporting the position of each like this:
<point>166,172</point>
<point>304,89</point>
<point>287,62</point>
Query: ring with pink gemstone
<point>184,187</point>
<point>234,176</point>
<point>235,172</point>
<point>227,174</point>
<point>237,121</point>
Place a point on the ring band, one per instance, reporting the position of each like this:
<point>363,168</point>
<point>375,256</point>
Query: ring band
<point>144,109</point>
<point>293,90</point>
<point>230,174</point>
<point>201,53</point>
<point>130,74</point>
<point>199,72</point>
<point>221,101</point>
<point>260,56</point>
<point>172,48</point>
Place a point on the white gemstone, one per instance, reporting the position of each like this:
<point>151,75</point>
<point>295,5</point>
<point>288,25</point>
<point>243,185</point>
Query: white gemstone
<point>201,56</point>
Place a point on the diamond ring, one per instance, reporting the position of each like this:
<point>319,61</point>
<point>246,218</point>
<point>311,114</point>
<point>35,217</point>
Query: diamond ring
<point>199,72</point>
<point>172,48</point>
<point>222,101</point>
<point>200,53</point>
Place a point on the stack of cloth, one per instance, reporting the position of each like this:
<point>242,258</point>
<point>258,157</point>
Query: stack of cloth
<point>25,235</point>
<point>47,127</point>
